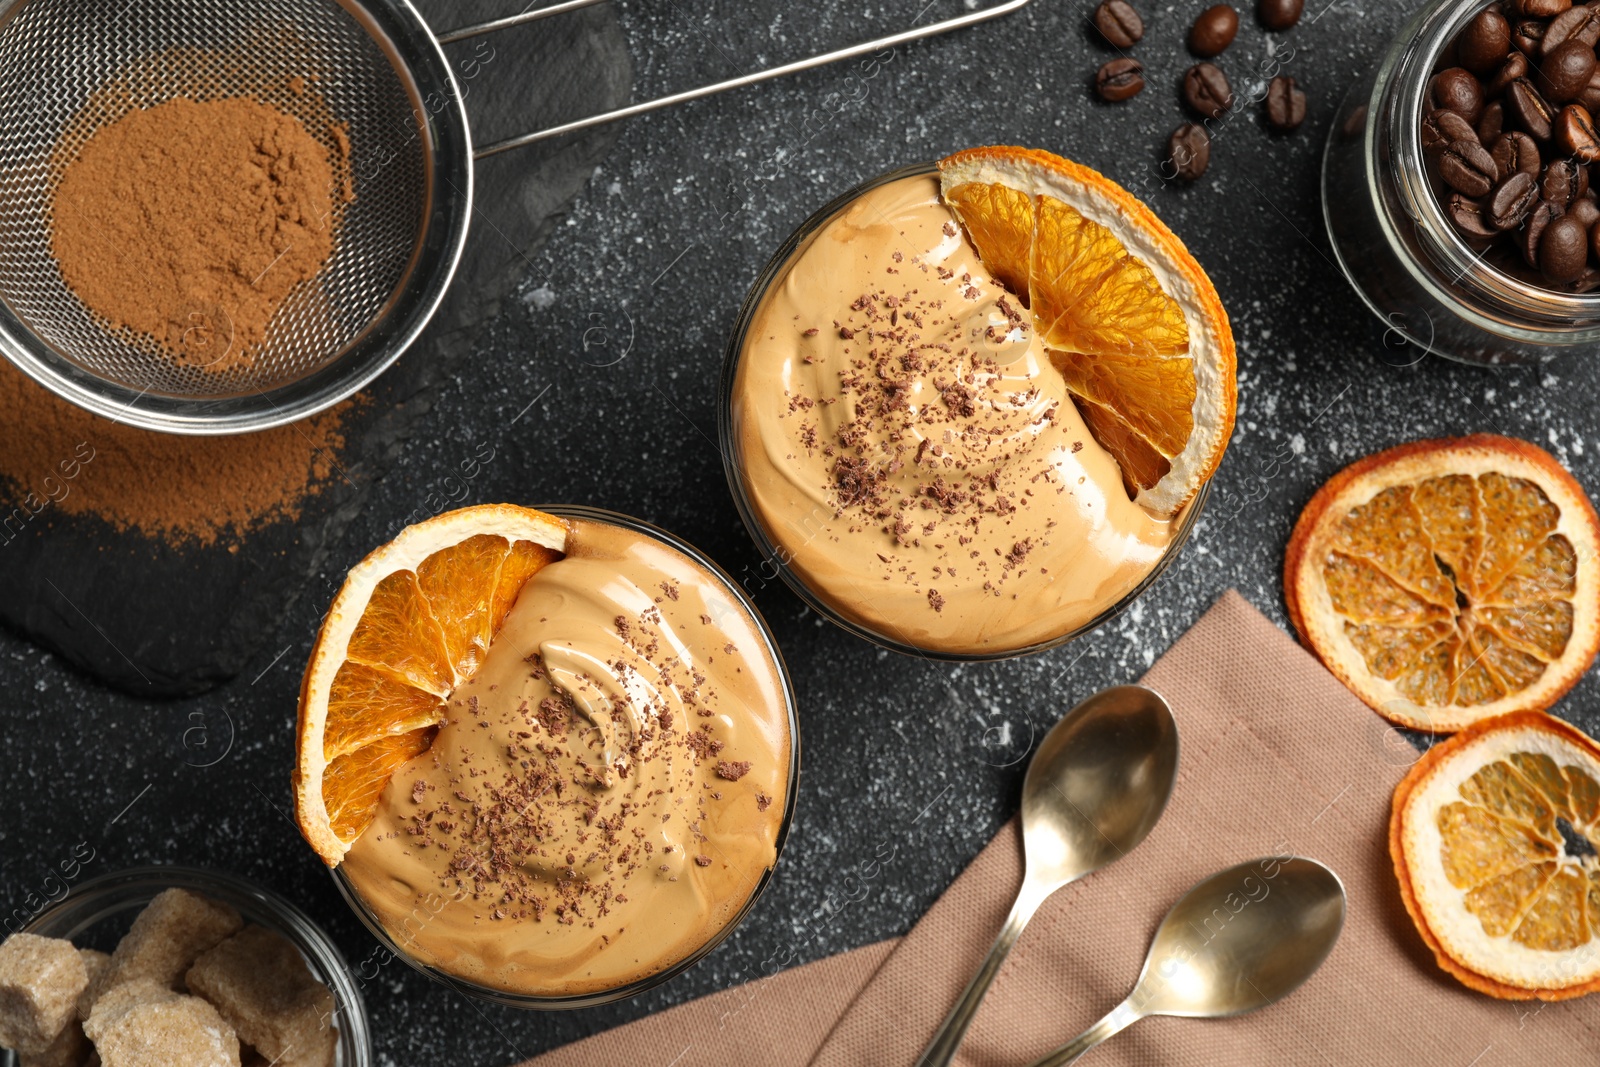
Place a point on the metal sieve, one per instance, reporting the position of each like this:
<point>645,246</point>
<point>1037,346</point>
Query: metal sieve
<point>370,67</point>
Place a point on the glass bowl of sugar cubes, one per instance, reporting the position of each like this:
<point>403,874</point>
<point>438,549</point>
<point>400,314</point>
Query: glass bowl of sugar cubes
<point>202,969</point>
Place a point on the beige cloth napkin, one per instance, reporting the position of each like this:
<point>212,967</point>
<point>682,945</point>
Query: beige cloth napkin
<point>1277,758</point>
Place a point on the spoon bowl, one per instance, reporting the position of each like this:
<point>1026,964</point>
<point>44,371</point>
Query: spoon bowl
<point>1094,791</point>
<point>1240,940</point>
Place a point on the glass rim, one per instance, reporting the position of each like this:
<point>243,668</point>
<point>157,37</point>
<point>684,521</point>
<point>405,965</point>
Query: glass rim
<point>1184,522</point>
<point>97,899</point>
<point>785,825</point>
<point>1550,314</point>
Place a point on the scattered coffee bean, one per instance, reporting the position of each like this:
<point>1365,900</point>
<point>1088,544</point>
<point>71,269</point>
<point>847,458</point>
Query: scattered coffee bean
<point>1280,15</point>
<point>1491,123</point>
<point>1189,151</point>
<point>1213,31</point>
<point>1527,110</point>
<point>1580,23</point>
<point>1586,210</point>
<point>1511,201</point>
<point>1119,23</point>
<point>1441,129</point>
<point>1542,9</point>
<point>1565,72</point>
<point>1467,215</point>
<point>1119,80</point>
<point>1286,106</point>
<point>1207,92</point>
<point>1575,133</point>
<point>1514,152</point>
<point>1467,167</point>
<point>1484,43</point>
<point>1528,37</point>
<point>1563,182</point>
<point>1457,90</point>
<point>1564,250</point>
<point>1516,66</point>
<point>1542,215</point>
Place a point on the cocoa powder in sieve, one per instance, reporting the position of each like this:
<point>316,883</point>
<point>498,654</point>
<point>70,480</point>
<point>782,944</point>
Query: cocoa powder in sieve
<point>190,223</point>
<point>58,459</point>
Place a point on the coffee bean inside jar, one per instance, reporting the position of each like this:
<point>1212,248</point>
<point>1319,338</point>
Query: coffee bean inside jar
<point>1509,135</point>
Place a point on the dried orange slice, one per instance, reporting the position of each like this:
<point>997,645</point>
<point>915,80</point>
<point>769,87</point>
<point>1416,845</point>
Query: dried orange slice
<point>1449,581</point>
<point>1130,319</point>
<point>1494,835</point>
<point>411,623</point>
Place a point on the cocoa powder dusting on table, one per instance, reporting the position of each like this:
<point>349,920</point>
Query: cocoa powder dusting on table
<point>56,458</point>
<point>191,222</point>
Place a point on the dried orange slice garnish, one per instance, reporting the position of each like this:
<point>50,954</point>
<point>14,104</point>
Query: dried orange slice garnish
<point>411,623</point>
<point>1494,835</point>
<point>1449,581</point>
<point>1130,319</point>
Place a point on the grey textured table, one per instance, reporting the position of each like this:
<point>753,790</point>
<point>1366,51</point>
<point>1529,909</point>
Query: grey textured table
<point>599,387</point>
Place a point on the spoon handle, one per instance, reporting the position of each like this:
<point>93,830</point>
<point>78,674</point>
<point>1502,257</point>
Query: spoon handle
<point>942,1049</point>
<point>1121,1017</point>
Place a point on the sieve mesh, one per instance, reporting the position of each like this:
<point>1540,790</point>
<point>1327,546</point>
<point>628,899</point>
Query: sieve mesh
<point>70,67</point>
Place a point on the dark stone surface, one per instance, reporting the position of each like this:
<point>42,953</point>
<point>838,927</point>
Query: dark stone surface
<point>598,386</point>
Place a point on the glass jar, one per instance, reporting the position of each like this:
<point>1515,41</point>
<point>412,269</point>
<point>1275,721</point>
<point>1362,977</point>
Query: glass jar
<point>607,996</point>
<point>99,911</point>
<point>1393,240</point>
<point>776,558</point>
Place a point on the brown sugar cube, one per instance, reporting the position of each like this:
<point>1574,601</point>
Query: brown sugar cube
<point>166,938</point>
<point>69,1049</point>
<point>40,981</point>
<point>95,965</point>
<point>263,988</point>
<point>143,1023</point>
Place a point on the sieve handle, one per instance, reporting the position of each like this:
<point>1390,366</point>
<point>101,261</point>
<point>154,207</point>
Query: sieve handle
<point>971,18</point>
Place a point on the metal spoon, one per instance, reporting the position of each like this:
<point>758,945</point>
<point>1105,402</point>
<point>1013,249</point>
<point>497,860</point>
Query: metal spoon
<point>1238,941</point>
<point>1095,789</point>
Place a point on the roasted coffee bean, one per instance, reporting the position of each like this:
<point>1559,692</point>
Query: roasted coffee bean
<point>1527,110</point>
<point>1441,129</point>
<point>1189,151</point>
<point>1483,45</point>
<point>1587,282</point>
<point>1213,31</point>
<point>1120,79</point>
<point>1491,123</point>
<point>1467,167</point>
<point>1586,210</point>
<point>1542,215</point>
<point>1207,92</point>
<point>1580,23</point>
<point>1511,201</point>
<point>1516,66</point>
<point>1564,250</point>
<point>1575,133</point>
<point>1528,37</point>
<point>1563,182</point>
<point>1594,232</point>
<point>1467,216</point>
<point>1286,106</point>
<point>1565,72</point>
<point>1457,90</point>
<point>1513,152</point>
<point>1280,15</point>
<point>1542,9</point>
<point>1590,97</point>
<point>1119,23</point>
